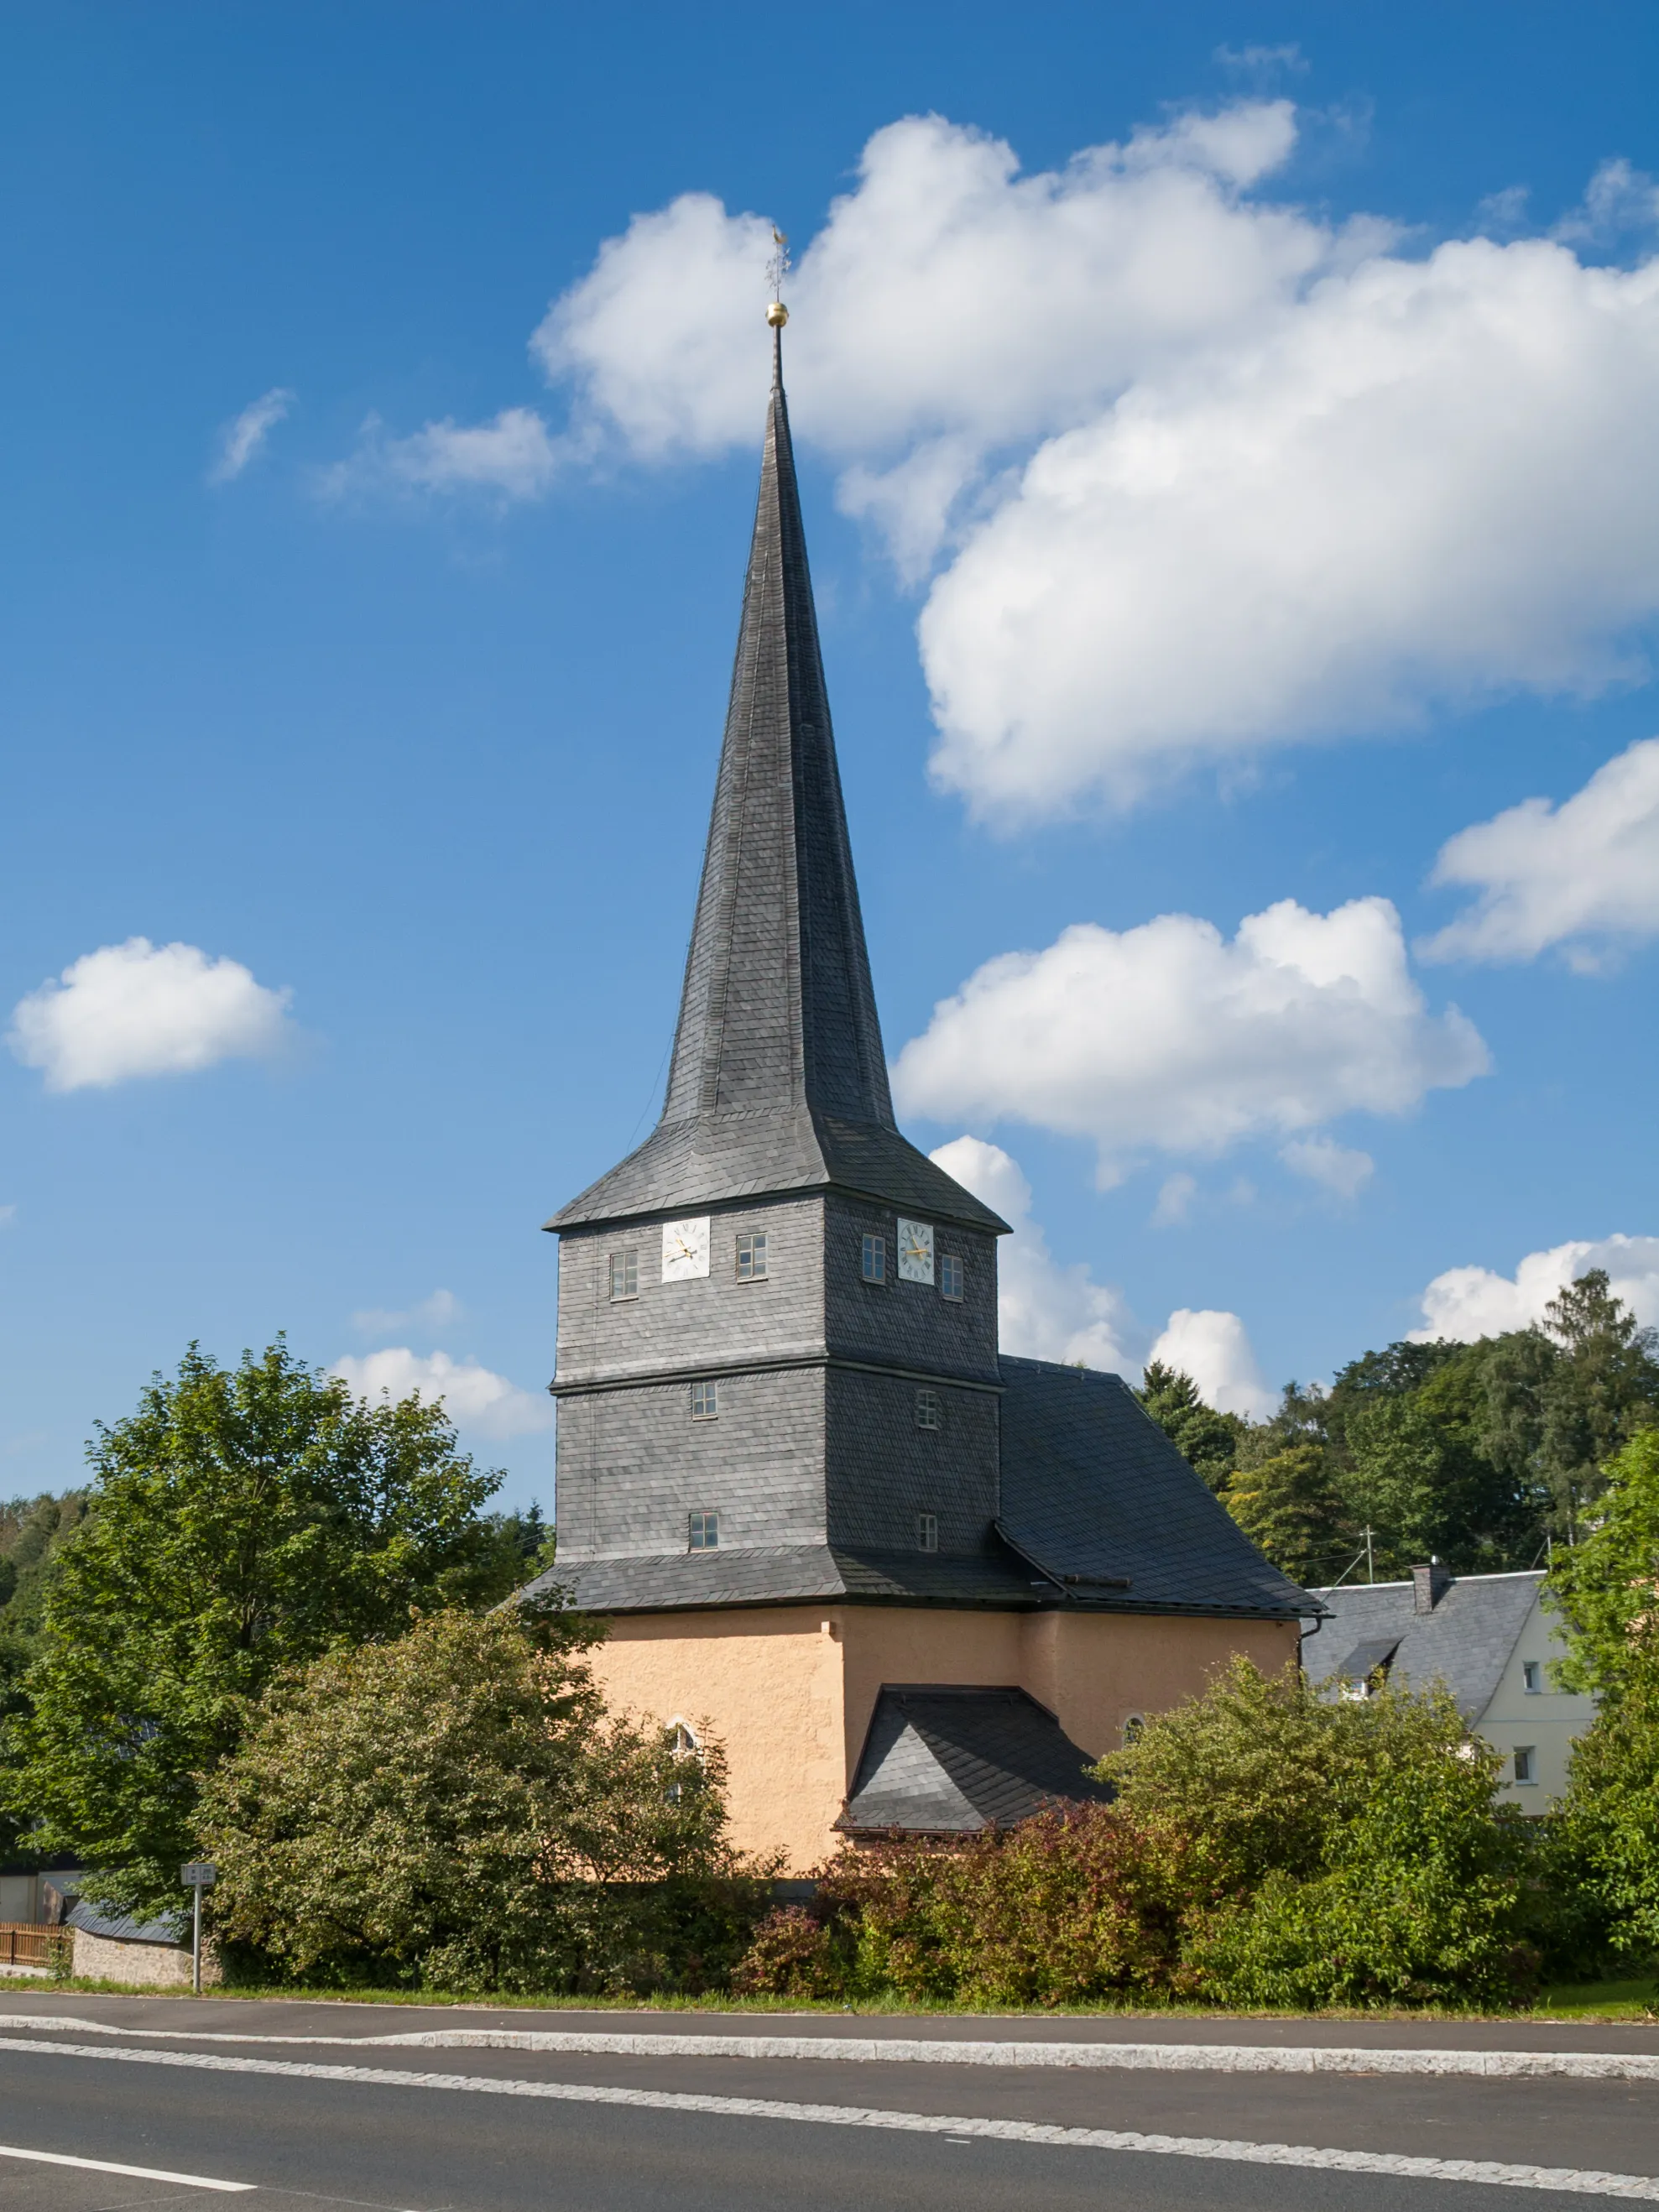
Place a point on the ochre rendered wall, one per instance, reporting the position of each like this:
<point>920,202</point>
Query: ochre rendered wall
<point>789,1690</point>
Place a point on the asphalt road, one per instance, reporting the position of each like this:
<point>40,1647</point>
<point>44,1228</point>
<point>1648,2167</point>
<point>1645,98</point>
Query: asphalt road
<point>422,2129</point>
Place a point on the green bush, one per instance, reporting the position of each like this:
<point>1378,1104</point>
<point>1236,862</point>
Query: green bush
<point>1266,1847</point>
<point>456,1810</point>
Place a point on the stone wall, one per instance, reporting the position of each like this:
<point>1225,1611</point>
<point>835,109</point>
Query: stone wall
<point>110,1958</point>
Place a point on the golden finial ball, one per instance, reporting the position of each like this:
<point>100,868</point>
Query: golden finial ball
<point>777,314</point>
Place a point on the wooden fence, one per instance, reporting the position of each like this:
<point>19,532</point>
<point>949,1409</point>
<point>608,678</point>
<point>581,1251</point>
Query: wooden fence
<point>27,1942</point>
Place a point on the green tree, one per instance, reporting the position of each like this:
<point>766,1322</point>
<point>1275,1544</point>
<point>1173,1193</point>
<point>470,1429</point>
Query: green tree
<point>1207,1440</point>
<point>1606,1588</point>
<point>239,1521</point>
<point>1288,1507</point>
<point>456,1809</point>
<point>1602,1390</point>
<point>32,1530</point>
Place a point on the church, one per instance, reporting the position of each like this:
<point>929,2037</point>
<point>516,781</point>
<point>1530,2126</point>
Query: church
<point>905,1580</point>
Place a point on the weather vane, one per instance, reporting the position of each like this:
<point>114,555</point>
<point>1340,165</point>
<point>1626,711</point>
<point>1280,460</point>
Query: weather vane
<point>777,269</point>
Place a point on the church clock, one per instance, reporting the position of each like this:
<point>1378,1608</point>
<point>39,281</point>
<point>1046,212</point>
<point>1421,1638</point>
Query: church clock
<point>915,1251</point>
<point>684,1250</point>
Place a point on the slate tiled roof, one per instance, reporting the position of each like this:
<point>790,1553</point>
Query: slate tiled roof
<point>123,1927</point>
<point>1092,1488</point>
<point>951,1761</point>
<point>790,1574</point>
<point>778,1081</point>
<point>1466,1642</point>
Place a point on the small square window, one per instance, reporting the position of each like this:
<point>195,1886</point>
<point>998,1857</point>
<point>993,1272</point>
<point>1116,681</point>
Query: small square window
<point>751,1258</point>
<point>624,1276</point>
<point>927,1532</point>
<point>1532,1676</point>
<point>927,1409</point>
<point>703,1531</point>
<point>705,1401</point>
<point>1526,1763</point>
<point>875,1259</point>
<point>950,1275</point>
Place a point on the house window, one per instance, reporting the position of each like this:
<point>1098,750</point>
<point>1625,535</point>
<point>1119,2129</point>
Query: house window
<point>624,1276</point>
<point>703,1531</point>
<point>705,1401</point>
<point>950,1275</point>
<point>927,1409</point>
<point>1526,1763</point>
<point>680,1740</point>
<point>875,1259</point>
<point>927,1532</point>
<point>1133,1725</point>
<point>751,1258</point>
<point>1532,1676</point>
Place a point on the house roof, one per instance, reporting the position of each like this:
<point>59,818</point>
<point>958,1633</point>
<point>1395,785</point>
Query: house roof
<point>1466,1642</point>
<point>953,1761</point>
<point>126,1927</point>
<point>779,1080</point>
<point>1093,1490</point>
<point>783,1574</point>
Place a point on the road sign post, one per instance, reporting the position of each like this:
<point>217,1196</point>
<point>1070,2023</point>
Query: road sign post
<point>197,1875</point>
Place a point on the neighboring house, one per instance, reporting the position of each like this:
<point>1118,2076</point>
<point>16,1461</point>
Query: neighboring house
<point>907,1581</point>
<point>1488,1639</point>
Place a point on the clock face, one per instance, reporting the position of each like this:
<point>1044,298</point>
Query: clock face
<point>684,1250</point>
<point>915,1251</point>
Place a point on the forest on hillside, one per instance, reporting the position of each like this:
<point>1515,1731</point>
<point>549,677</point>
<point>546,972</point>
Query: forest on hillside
<point>1487,1457</point>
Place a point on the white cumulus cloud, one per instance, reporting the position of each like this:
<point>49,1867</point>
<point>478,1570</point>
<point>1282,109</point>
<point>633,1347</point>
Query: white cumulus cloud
<point>1214,1349</point>
<point>1170,1037</point>
<point>1047,1310</point>
<point>435,1312</point>
<point>514,457</point>
<point>1334,1167</point>
<point>143,1009</point>
<point>1468,1302</point>
<point>1044,1310</point>
<point>1579,874</point>
<point>241,440</point>
<point>474,1396</point>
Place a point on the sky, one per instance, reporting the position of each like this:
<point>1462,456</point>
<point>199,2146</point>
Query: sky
<point>1230,446</point>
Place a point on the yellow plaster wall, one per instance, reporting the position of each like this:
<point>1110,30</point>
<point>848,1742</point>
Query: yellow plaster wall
<point>789,1690</point>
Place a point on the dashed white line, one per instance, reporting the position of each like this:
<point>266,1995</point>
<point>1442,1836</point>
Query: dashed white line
<point>136,2172</point>
<point>1574,2181</point>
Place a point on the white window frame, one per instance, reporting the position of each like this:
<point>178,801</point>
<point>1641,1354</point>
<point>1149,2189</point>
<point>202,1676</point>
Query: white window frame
<point>873,1258</point>
<point>1532,1677</point>
<point>752,1249</point>
<point>628,1263</point>
<point>951,1276</point>
<point>1528,1752</point>
<point>706,1400</point>
<point>703,1529</point>
<point>927,1532</point>
<point>930,1411</point>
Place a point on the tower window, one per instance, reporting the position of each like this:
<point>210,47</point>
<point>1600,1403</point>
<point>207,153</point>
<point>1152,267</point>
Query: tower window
<point>950,1275</point>
<point>705,1401</point>
<point>1526,1763</point>
<point>927,1409</point>
<point>875,1259</point>
<point>751,1258</point>
<point>1532,1676</point>
<point>927,1532</point>
<point>703,1532</point>
<point>624,1276</point>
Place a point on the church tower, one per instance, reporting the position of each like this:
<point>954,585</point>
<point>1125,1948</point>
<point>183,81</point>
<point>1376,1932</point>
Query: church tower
<point>782,1451</point>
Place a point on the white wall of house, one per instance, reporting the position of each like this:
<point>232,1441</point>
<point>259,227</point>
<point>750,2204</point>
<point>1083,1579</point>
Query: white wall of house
<point>1542,1720</point>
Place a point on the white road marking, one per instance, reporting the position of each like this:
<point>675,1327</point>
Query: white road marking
<point>136,2172</point>
<point>1575,2180</point>
<point>1166,2057</point>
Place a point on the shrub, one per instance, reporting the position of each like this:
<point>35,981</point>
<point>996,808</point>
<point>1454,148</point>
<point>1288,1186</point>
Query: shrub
<point>456,1809</point>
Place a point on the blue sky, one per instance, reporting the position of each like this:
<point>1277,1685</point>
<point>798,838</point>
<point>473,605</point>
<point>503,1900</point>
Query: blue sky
<point>1275,495</point>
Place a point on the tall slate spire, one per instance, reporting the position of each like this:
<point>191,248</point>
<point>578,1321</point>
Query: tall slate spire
<point>778,1080</point>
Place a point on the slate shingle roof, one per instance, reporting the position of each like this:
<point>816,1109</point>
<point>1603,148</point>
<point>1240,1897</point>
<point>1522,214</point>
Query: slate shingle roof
<point>779,1081</point>
<point>951,1761</point>
<point>125,1928</point>
<point>1466,1642</point>
<point>788,1574</point>
<point>1093,1487</point>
